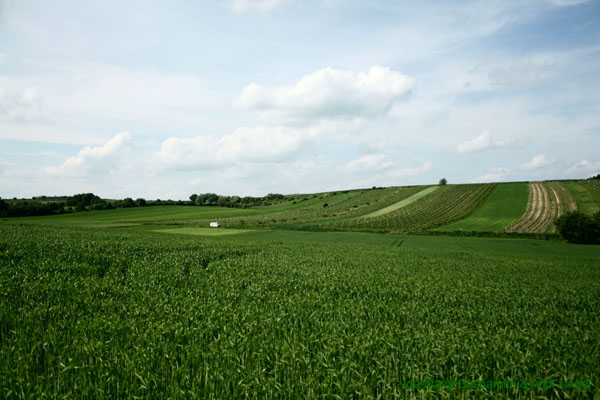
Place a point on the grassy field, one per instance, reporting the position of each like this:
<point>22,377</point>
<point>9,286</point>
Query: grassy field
<point>130,312</point>
<point>505,205</point>
<point>203,231</point>
<point>138,214</point>
<point>588,199</point>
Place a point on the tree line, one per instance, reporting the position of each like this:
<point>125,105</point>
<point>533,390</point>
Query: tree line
<point>47,205</point>
<point>213,199</point>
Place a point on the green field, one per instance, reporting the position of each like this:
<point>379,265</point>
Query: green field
<point>588,199</point>
<point>505,205</point>
<point>203,231</point>
<point>139,214</point>
<point>129,312</point>
<point>401,203</point>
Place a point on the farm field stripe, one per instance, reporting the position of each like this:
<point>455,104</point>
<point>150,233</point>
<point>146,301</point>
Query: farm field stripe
<point>532,211</point>
<point>401,203</point>
<point>203,231</point>
<point>548,201</point>
<point>587,198</point>
<point>503,207</point>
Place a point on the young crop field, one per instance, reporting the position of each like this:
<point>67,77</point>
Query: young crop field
<point>505,205</point>
<point>342,205</point>
<point>448,203</point>
<point>588,199</point>
<point>138,215</point>
<point>547,201</point>
<point>401,203</point>
<point>129,312</point>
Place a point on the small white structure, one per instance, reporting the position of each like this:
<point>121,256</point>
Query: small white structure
<point>215,224</point>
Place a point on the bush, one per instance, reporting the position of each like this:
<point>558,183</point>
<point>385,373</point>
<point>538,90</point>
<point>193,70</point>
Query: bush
<point>577,227</point>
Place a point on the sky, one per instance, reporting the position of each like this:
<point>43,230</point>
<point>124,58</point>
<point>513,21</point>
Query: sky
<point>161,99</point>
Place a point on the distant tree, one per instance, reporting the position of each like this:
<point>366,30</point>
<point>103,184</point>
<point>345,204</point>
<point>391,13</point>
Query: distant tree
<point>222,201</point>
<point>595,177</point>
<point>193,198</point>
<point>140,202</point>
<point>443,181</point>
<point>577,227</point>
<point>127,202</point>
<point>3,208</point>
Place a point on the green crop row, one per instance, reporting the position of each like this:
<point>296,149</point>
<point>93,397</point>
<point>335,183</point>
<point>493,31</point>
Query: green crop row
<point>356,204</point>
<point>447,204</point>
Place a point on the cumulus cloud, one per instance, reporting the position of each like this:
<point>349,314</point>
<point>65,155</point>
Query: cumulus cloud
<point>541,160</point>
<point>495,175</point>
<point>483,142</point>
<point>255,145</point>
<point>329,93</point>
<point>95,160</point>
<point>585,166</point>
<point>243,6</point>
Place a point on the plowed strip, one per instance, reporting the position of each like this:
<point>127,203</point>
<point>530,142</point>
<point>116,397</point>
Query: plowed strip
<point>539,211</point>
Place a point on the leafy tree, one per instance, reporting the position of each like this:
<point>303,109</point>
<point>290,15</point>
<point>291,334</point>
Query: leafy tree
<point>3,208</point>
<point>140,202</point>
<point>443,181</point>
<point>193,198</point>
<point>222,201</point>
<point>577,227</point>
<point>127,202</point>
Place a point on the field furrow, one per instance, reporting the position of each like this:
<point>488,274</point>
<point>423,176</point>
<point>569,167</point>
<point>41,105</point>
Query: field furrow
<point>534,216</point>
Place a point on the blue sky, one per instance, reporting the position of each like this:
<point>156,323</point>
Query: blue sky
<point>162,99</point>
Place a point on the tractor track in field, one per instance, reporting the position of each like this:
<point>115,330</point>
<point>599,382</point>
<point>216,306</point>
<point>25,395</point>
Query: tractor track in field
<point>547,201</point>
<point>537,212</point>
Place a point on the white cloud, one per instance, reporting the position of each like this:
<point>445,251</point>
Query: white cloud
<point>585,166</point>
<point>541,160</point>
<point>254,145</point>
<point>495,175</point>
<point>94,160</point>
<point>20,104</point>
<point>243,6</point>
<point>368,163</point>
<point>60,102</point>
<point>410,171</point>
<point>329,93</point>
<point>483,142</point>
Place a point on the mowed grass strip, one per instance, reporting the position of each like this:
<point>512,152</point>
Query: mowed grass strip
<point>505,205</point>
<point>588,199</point>
<point>401,203</point>
<point>203,231</point>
